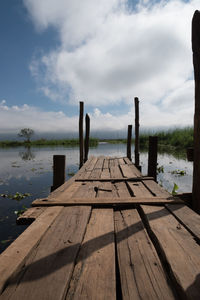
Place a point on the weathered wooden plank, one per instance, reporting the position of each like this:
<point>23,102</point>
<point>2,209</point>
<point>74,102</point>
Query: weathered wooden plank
<point>96,172</point>
<point>113,162</point>
<point>115,172</point>
<point>141,273</point>
<point>177,248</point>
<point>155,189</point>
<point>106,190</point>
<point>105,174</point>
<point>30,215</point>
<point>186,217</point>
<point>94,273</point>
<point>121,161</point>
<point>14,256</point>
<point>87,168</point>
<point>106,163</point>
<point>139,190</point>
<point>68,192</point>
<point>141,178</point>
<point>107,201</point>
<point>122,189</point>
<point>85,190</point>
<point>48,274</point>
<point>129,171</point>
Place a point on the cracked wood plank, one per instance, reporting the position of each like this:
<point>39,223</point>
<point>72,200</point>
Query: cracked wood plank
<point>187,217</point>
<point>48,274</point>
<point>12,259</point>
<point>108,201</point>
<point>178,250</point>
<point>94,273</point>
<point>141,273</point>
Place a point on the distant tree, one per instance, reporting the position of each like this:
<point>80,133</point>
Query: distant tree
<point>26,133</point>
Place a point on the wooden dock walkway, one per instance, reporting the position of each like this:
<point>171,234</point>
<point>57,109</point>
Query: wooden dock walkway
<point>107,233</point>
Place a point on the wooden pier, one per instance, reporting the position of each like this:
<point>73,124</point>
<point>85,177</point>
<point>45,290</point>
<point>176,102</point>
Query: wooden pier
<point>107,233</point>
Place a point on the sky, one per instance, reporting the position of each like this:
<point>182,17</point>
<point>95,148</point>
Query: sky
<point>55,53</point>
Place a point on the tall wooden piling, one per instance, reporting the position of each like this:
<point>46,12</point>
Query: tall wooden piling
<point>87,136</point>
<point>58,171</point>
<point>129,137</point>
<point>81,140</point>
<point>137,125</point>
<point>152,157</point>
<point>196,63</point>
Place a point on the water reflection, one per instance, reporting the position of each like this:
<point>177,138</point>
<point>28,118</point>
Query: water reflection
<point>27,154</point>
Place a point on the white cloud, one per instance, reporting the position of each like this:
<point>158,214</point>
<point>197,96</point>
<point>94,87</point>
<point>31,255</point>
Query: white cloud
<point>108,54</point>
<point>52,122</point>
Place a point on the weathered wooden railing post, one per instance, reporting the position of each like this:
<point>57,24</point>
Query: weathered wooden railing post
<point>58,171</point>
<point>137,125</point>
<point>152,157</point>
<point>87,136</point>
<point>129,137</point>
<point>81,141</point>
<point>196,63</point>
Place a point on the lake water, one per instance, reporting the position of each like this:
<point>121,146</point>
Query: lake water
<point>30,171</point>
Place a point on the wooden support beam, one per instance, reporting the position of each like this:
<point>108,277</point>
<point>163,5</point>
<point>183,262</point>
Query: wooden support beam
<point>116,201</point>
<point>152,156</point>
<point>87,136</point>
<point>196,63</point>
<point>81,140</point>
<point>129,137</point>
<point>137,125</point>
<point>58,171</point>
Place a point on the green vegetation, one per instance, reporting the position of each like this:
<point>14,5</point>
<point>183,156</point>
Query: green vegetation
<point>180,138</point>
<point>17,196</point>
<point>45,142</point>
<point>173,139</point>
<point>175,189</point>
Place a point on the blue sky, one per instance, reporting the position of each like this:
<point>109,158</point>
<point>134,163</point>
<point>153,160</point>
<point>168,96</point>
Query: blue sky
<point>55,53</point>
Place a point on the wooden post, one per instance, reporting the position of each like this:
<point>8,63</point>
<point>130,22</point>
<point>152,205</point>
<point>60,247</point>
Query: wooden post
<point>152,157</point>
<point>87,136</point>
<point>129,136</point>
<point>81,141</point>
<point>137,155</point>
<point>58,171</point>
<point>196,63</point>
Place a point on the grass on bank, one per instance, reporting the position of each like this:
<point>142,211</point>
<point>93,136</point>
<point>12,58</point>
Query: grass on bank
<point>180,139</point>
<point>46,142</point>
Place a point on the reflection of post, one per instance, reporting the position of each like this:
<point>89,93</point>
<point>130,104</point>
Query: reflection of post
<point>152,157</point>
<point>81,142</point>
<point>58,171</point>
<point>196,63</point>
<point>137,155</point>
<point>87,136</point>
<point>129,136</point>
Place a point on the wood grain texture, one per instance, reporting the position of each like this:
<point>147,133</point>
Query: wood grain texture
<point>155,189</point>
<point>139,190</point>
<point>177,248</point>
<point>187,217</point>
<point>14,256</point>
<point>94,273</point>
<point>141,273</point>
<point>109,201</point>
<point>48,274</point>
